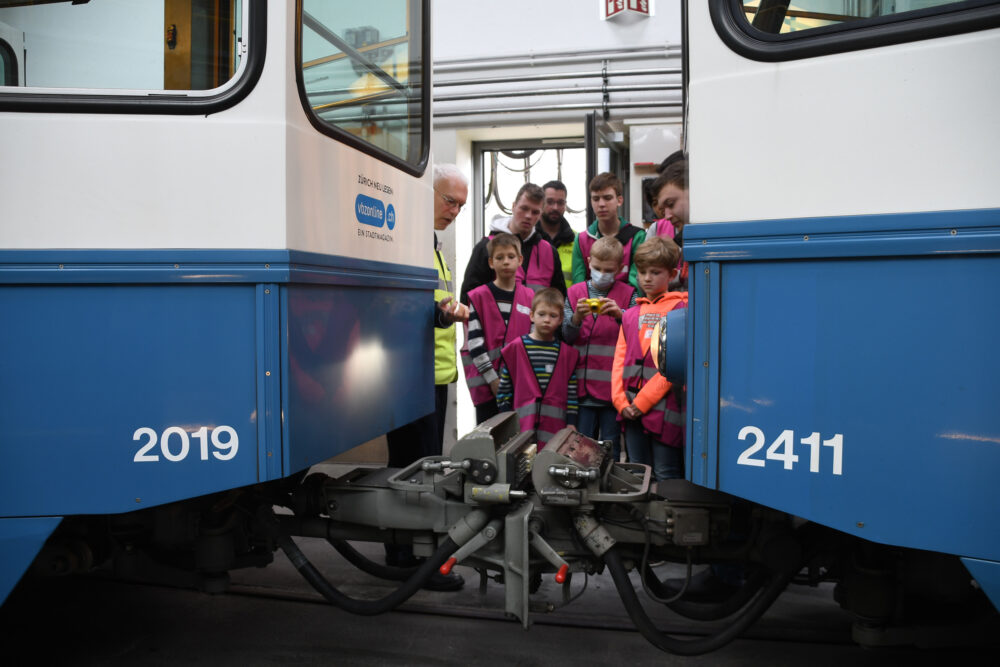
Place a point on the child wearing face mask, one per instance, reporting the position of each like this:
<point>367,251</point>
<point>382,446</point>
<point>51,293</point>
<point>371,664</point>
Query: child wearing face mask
<point>591,319</point>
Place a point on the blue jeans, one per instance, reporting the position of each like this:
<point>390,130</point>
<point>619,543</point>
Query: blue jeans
<point>667,462</point>
<point>601,423</point>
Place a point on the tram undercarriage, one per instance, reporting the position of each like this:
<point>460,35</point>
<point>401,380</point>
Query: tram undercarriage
<point>517,515</point>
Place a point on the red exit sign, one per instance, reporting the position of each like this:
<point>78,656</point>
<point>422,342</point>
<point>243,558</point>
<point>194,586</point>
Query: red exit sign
<point>615,7</point>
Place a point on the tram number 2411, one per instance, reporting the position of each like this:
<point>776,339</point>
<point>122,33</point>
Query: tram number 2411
<point>783,449</point>
<point>175,443</point>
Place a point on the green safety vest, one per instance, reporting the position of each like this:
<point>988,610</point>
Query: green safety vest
<point>566,258</point>
<point>445,360</point>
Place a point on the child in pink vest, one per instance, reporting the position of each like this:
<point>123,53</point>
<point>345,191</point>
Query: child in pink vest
<point>651,408</point>
<point>592,318</point>
<point>499,312</point>
<point>538,375</point>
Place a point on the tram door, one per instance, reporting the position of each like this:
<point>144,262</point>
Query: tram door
<point>11,56</point>
<point>198,46</point>
<point>606,150</point>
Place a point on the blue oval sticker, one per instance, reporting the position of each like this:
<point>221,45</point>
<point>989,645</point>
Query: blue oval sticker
<point>371,211</point>
<point>390,217</point>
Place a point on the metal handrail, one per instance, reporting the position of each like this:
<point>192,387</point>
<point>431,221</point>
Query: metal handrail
<point>555,58</point>
<point>559,75</point>
<point>651,87</point>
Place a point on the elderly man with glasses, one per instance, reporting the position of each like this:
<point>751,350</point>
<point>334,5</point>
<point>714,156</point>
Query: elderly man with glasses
<point>425,436</point>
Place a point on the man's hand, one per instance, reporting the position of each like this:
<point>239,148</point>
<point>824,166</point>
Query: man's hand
<point>453,311</point>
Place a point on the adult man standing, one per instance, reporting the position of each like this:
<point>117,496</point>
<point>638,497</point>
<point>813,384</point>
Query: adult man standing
<point>540,266</point>
<point>425,436</point>
<point>552,226</point>
<point>606,198</point>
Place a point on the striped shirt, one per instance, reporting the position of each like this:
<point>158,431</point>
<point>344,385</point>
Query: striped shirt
<point>542,355</point>
<point>477,343</point>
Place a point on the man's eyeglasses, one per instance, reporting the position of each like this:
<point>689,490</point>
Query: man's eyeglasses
<point>451,201</point>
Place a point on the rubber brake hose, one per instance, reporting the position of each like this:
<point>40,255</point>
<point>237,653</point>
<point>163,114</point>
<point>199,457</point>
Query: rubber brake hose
<point>753,611</point>
<point>708,611</point>
<point>361,607</point>
<point>368,566</point>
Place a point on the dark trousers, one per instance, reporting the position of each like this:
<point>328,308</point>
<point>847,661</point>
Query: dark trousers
<point>421,437</point>
<point>486,410</point>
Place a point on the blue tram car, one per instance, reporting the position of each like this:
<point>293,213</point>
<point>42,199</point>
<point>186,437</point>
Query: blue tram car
<point>216,251</point>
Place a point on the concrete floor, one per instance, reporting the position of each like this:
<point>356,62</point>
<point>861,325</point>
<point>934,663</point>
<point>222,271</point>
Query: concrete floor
<point>272,617</point>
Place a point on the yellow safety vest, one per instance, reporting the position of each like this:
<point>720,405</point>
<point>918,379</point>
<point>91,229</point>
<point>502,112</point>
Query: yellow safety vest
<point>566,259</point>
<point>445,360</point>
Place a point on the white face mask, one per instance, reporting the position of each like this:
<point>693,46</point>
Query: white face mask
<point>602,281</point>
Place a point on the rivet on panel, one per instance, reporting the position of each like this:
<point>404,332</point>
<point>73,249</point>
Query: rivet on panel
<point>267,291</point>
<point>267,373</point>
<point>954,231</point>
<point>138,500</point>
<point>267,266</point>
<point>805,238</point>
<point>705,364</point>
<point>177,266</point>
<point>704,455</point>
<point>60,266</point>
<point>861,524</point>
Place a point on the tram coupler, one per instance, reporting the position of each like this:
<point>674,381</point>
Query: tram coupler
<point>518,512</point>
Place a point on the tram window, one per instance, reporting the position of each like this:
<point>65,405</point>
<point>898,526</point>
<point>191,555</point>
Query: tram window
<point>138,46</point>
<point>8,65</point>
<point>785,17</point>
<point>773,30</point>
<point>361,75</point>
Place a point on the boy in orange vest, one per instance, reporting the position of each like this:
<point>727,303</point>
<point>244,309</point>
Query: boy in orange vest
<point>650,408</point>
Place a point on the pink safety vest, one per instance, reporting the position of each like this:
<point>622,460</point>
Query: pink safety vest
<point>665,419</point>
<point>662,227</point>
<point>543,414</point>
<point>587,242</point>
<point>541,266</point>
<point>495,334</point>
<point>596,342</point>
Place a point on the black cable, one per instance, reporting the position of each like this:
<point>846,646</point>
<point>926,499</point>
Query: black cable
<point>708,611</point>
<point>368,566</point>
<point>664,642</point>
<point>362,607</point>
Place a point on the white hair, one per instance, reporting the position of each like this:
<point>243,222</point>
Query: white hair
<point>443,171</point>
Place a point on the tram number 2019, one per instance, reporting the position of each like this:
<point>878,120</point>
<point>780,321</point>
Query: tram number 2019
<point>783,449</point>
<point>175,443</point>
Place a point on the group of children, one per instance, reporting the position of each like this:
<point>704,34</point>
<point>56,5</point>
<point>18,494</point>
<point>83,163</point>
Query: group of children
<point>583,361</point>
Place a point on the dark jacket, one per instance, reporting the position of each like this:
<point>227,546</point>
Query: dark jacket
<point>478,271</point>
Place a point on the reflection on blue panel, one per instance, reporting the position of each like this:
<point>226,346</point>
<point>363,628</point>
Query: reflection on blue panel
<point>119,397</point>
<point>349,351</point>
<point>894,363</point>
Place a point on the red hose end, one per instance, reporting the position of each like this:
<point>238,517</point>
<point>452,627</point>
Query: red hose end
<point>448,564</point>
<point>561,574</point>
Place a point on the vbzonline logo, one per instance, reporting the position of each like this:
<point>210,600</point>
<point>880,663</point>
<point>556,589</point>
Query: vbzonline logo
<point>371,211</point>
